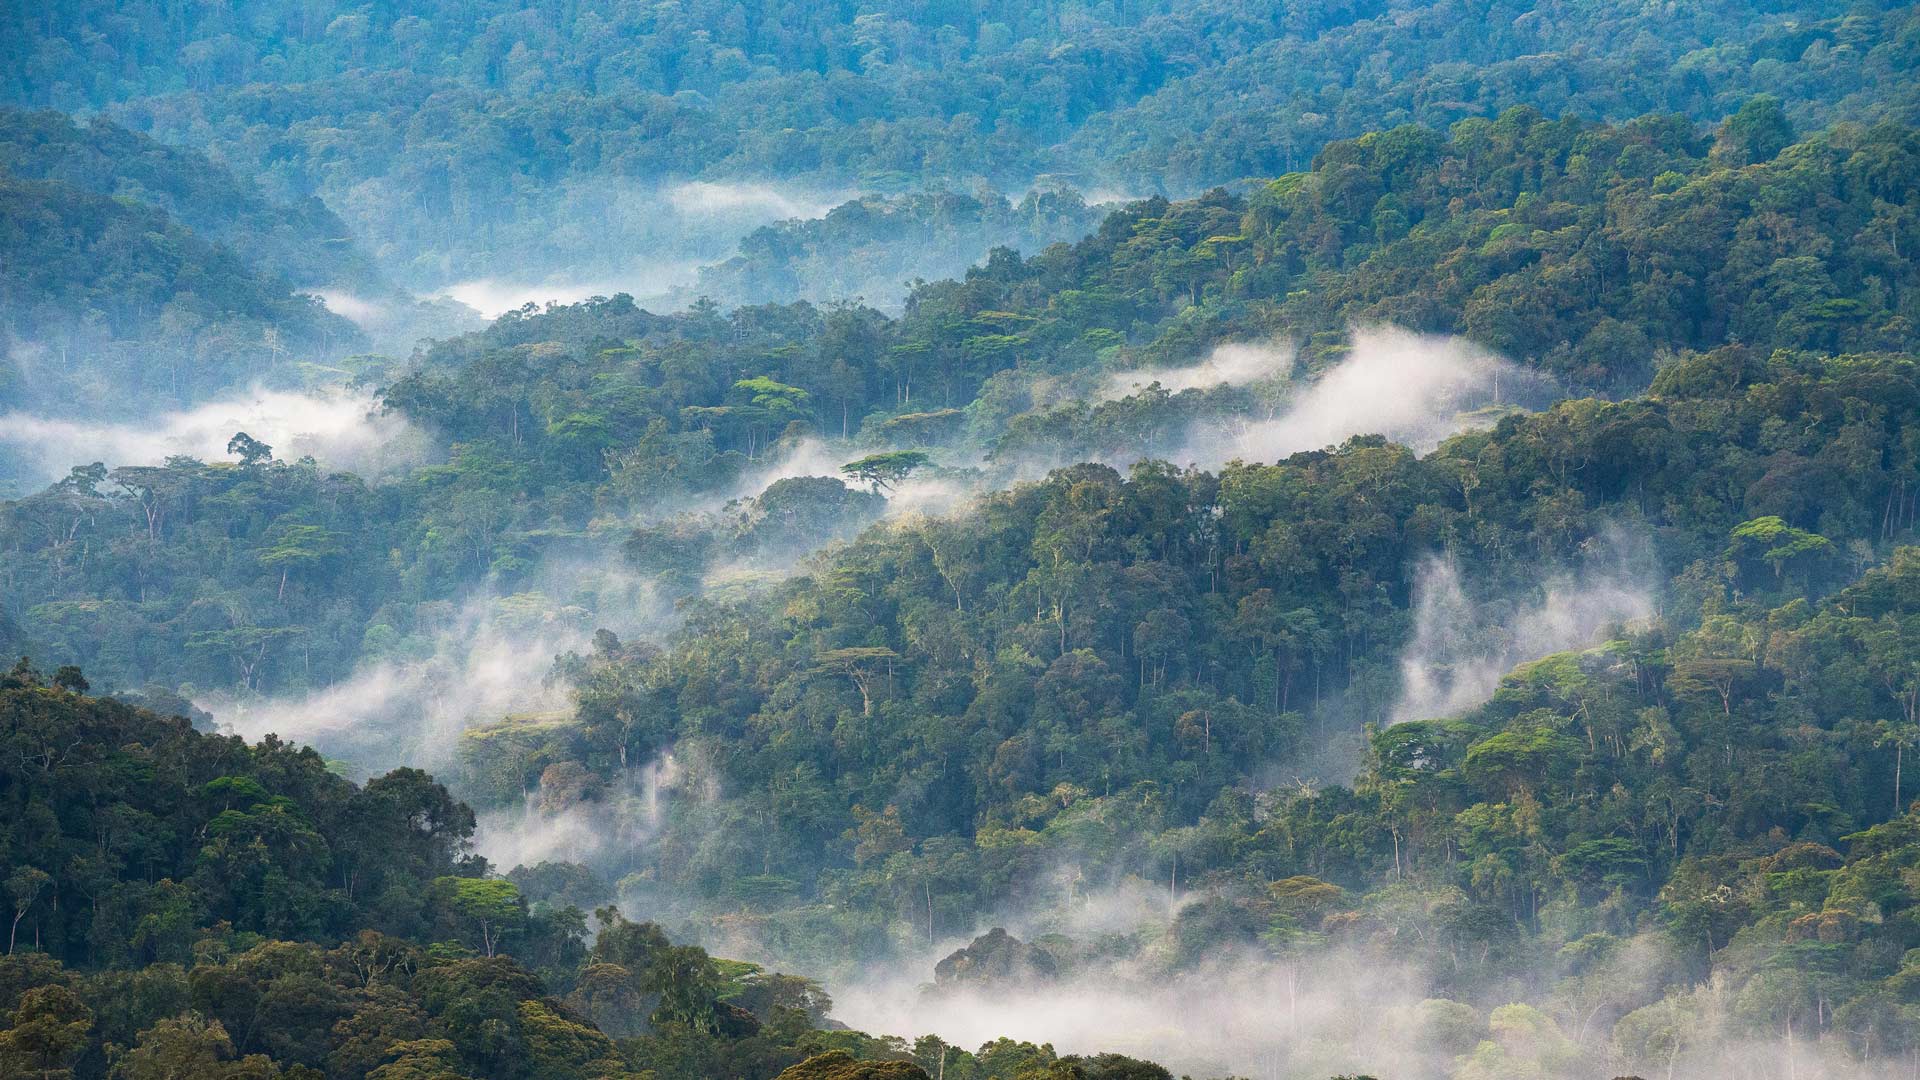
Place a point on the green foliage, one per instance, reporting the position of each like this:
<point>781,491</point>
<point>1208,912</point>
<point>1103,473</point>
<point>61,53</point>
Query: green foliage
<point>559,421</point>
<point>883,471</point>
<point>301,241</point>
<point>1096,673</point>
<point>840,1065</point>
<point>544,114</point>
<point>115,299</point>
<point>176,837</point>
<point>492,905</point>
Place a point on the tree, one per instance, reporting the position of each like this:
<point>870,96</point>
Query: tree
<point>251,451</point>
<point>300,547</point>
<point>861,665</point>
<point>882,471</point>
<point>425,830</point>
<point>1900,736</point>
<point>188,1047</point>
<point>157,489</point>
<point>771,404</point>
<point>420,1059</point>
<point>687,982</point>
<point>1756,133</point>
<point>22,675</point>
<point>247,646</point>
<point>1779,544</point>
<point>24,885</point>
<point>50,1029</point>
<point>493,905</point>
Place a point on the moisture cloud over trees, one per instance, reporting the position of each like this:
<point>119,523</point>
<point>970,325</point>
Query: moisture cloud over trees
<point>612,542</point>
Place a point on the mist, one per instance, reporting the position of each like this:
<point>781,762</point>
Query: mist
<point>762,200</point>
<point>342,429</point>
<point>1412,388</point>
<point>601,238</point>
<point>1363,992</point>
<point>650,285</point>
<point>609,827</point>
<point>1352,1011</point>
<point>1255,401</point>
<point>1242,1016</point>
<point>411,701</point>
<point>395,324</point>
<point>485,663</point>
<point>1462,646</point>
<point>1234,363</point>
<point>932,492</point>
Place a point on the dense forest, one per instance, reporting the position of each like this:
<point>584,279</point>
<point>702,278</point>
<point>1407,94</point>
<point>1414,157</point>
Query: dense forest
<point>213,913</point>
<point>1062,542</point>
<point>451,136</point>
<point>1535,238</point>
<point>140,277</point>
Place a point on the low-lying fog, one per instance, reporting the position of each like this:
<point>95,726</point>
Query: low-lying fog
<point>649,243</point>
<point>1243,1013</point>
<point>342,429</point>
<point>1338,1013</point>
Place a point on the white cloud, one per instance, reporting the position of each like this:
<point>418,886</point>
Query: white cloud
<point>1461,647</point>
<point>1411,388</point>
<point>738,198</point>
<point>340,428</point>
<point>1235,363</point>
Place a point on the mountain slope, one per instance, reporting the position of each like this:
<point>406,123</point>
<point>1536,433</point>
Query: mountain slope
<point>113,305</point>
<point>305,244</point>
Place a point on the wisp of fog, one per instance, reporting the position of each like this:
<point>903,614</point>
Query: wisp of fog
<point>1234,363</point>
<point>1461,647</point>
<point>487,660</point>
<point>342,429</point>
<point>673,231</point>
<point>1411,388</point>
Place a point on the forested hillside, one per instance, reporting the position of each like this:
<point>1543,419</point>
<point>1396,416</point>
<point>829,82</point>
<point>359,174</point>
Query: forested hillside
<point>110,300</point>
<point>450,135</point>
<point>874,249</point>
<point>1111,540</point>
<point>139,282</point>
<point>305,244</point>
<point>215,910</point>
<point>1588,253</point>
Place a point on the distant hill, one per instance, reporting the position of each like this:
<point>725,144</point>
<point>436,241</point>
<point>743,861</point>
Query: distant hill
<point>305,242</point>
<point>116,305</point>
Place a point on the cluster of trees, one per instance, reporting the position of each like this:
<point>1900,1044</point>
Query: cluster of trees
<point>1695,830</point>
<point>1586,249</point>
<point>182,904</point>
<point>124,580</point>
<point>951,669</point>
<point>140,277</point>
<point>130,835</point>
<point>1593,253</point>
<point>1694,833</point>
<point>873,249</point>
<point>1434,64</point>
<point>1582,250</point>
<point>113,301</point>
<point>305,243</point>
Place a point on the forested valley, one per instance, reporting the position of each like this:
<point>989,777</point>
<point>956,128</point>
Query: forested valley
<point>1130,541</point>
